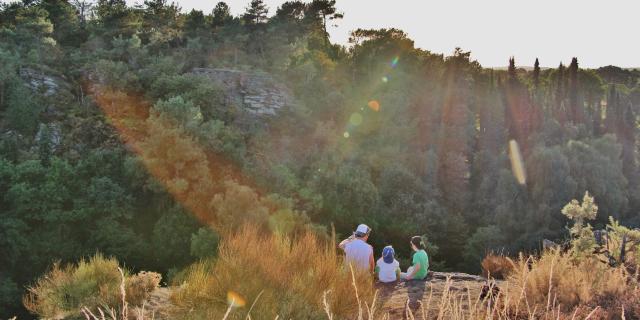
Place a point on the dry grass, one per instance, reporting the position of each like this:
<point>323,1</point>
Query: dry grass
<point>98,282</point>
<point>283,277</point>
<point>556,278</point>
<point>496,266</point>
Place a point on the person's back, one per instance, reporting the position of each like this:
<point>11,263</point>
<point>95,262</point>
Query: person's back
<point>358,253</point>
<point>387,267</point>
<point>421,257</point>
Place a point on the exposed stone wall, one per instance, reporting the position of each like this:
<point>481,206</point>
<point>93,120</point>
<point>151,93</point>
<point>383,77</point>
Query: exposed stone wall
<point>258,93</point>
<point>39,81</point>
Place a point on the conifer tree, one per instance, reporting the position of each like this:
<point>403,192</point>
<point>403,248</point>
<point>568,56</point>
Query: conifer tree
<point>575,110</point>
<point>559,108</point>
<point>221,15</point>
<point>256,13</point>
<point>536,74</point>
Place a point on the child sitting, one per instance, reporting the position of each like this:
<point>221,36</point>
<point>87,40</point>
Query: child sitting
<point>387,267</point>
<point>420,267</point>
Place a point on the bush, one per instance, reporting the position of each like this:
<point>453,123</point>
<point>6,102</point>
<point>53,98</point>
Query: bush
<point>204,243</point>
<point>284,277</point>
<point>64,291</point>
<point>558,278</point>
<point>496,266</point>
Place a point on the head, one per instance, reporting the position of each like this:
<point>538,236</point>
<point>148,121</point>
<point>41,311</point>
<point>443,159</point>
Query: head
<point>388,254</point>
<point>417,243</point>
<point>362,232</point>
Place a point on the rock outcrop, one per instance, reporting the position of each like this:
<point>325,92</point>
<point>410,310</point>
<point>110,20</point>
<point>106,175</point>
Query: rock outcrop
<point>258,93</point>
<point>39,81</point>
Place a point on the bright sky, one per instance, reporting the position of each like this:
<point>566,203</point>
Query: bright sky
<point>598,32</point>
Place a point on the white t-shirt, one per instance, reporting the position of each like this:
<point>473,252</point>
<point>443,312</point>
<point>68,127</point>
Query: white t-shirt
<point>357,253</point>
<point>387,271</point>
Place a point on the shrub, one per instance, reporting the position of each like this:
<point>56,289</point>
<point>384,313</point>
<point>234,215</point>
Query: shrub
<point>284,277</point>
<point>496,266</point>
<point>64,291</point>
<point>557,278</point>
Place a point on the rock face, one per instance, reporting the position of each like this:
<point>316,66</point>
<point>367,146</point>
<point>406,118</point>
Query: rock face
<point>258,93</point>
<point>423,297</point>
<point>38,81</point>
<point>52,133</point>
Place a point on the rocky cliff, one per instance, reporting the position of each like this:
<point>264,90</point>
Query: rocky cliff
<point>257,93</point>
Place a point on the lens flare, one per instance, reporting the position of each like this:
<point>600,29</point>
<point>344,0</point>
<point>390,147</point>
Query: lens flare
<point>235,300</point>
<point>355,119</point>
<point>346,134</point>
<point>385,79</point>
<point>374,105</point>
<point>394,62</point>
<point>517,165</point>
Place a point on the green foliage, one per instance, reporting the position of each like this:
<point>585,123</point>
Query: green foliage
<point>583,242</point>
<point>489,239</point>
<point>22,112</point>
<point>91,283</point>
<point>204,243</point>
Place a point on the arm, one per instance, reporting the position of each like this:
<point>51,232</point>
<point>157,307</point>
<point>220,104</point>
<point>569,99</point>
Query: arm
<point>344,242</point>
<point>416,268</point>
<point>372,264</point>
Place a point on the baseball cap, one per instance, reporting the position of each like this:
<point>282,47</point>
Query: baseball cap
<point>388,254</point>
<point>362,230</point>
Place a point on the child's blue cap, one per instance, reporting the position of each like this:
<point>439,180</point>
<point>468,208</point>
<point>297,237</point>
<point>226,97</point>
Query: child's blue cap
<point>388,254</point>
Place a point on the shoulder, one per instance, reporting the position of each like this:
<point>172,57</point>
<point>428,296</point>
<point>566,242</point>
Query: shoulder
<point>396,263</point>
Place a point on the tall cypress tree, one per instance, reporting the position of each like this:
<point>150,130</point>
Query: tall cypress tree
<point>536,74</point>
<point>575,110</point>
<point>559,107</point>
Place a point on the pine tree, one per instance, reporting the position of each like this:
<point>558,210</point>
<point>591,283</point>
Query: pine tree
<point>256,13</point>
<point>221,15</point>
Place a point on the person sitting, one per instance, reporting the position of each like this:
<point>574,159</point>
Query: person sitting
<point>358,252</point>
<point>387,267</point>
<point>420,266</point>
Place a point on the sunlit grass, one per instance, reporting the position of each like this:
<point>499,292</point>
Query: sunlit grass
<point>277,275</point>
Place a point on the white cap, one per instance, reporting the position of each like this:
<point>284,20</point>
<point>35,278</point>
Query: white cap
<point>362,229</point>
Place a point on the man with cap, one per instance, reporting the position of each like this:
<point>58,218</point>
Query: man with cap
<point>357,251</point>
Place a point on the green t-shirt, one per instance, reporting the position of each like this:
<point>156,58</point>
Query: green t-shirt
<point>421,257</point>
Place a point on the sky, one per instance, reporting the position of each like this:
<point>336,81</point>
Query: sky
<point>598,32</point>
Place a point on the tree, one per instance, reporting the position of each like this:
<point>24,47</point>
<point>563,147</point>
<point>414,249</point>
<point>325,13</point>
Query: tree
<point>195,24</point>
<point>221,15</point>
<point>575,105</point>
<point>256,13</point>
<point>115,18</point>
<point>584,242</point>
<point>559,111</point>
<point>536,74</point>
<point>65,21</point>
<point>291,11</point>
<point>323,10</point>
